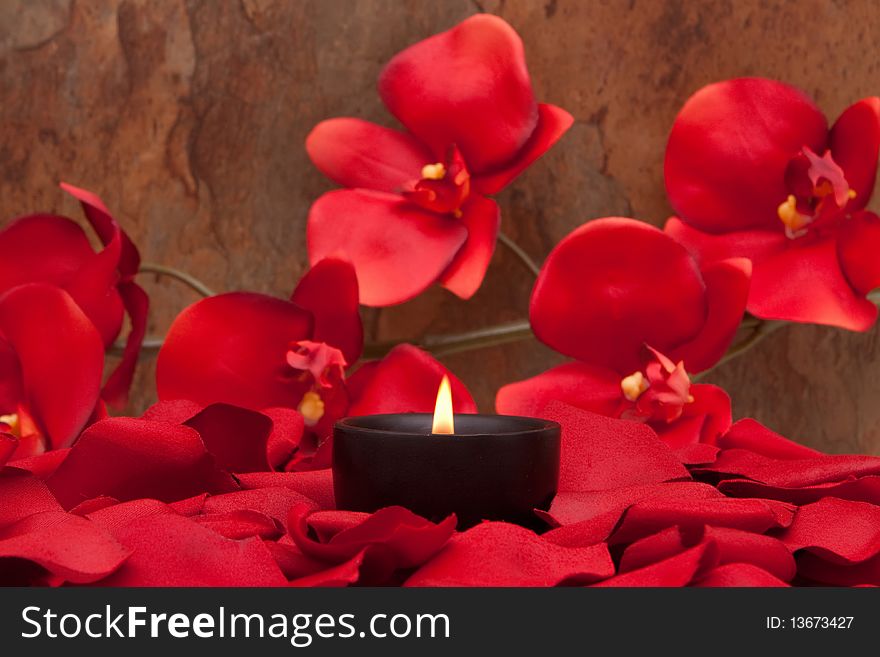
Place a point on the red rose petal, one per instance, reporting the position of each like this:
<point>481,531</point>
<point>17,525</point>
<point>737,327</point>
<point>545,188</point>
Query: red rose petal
<point>652,515</point>
<point>409,540</point>
<point>326,525</point>
<point>397,249</point>
<point>190,506</point>
<point>752,435</point>
<point>169,550</point>
<point>275,502</point>
<point>290,559</point>
<point>345,574</point>
<point>68,546</point>
<point>739,575</point>
<point>8,445</point>
<point>287,432</point>
<point>172,411</point>
<point>599,453</point>
<point>813,568</point>
<point>129,458</point>
<point>468,86</point>
<point>115,518</point>
<point>699,454</point>
<point>678,570</point>
<point>41,465</point>
<point>839,530</point>
<point>575,507</point>
<point>583,532</point>
<point>864,489</point>
<point>317,485</point>
<point>242,523</point>
<point>23,495</point>
<point>660,546</point>
<point>743,547</point>
<point>793,473</point>
<point>500,554</point>
<point>93,505</point>
<point>236,437</point>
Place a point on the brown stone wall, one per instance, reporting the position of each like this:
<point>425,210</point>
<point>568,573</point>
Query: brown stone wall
<point>188,118</point>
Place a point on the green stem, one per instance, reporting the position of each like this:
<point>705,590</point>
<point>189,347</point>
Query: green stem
<point>516,331</point>
<point>182,276</point>
<point>444,345</point>
<point>148,346</point>
<point>517,250</point>
<point>762,329</point>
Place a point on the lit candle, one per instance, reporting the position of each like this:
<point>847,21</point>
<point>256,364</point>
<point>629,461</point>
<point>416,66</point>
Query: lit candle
<point>480,467</point>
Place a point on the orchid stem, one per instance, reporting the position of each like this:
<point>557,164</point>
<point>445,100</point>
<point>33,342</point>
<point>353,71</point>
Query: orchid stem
<point>516,331</point>
<point>517,250</point>
<point>148,346</point>
<point>762,328</point>
<point>445,345</point>
<point>182,276</point>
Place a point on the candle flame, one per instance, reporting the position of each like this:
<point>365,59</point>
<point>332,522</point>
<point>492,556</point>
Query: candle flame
<point>443,420</point>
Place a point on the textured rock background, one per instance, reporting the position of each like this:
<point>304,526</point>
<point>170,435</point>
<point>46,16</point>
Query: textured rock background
<point>188,118</point>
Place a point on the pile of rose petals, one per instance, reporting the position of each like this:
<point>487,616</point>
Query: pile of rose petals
<point>152,502</point>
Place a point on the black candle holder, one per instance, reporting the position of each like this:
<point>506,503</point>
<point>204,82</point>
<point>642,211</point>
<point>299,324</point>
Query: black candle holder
<point>494,467</point>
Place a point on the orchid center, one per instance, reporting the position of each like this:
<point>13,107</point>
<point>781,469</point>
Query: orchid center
<point>443,187</point>
<point>818,192</point>
<point>11,423</point>
<point>795,222</point>
<point>325,364</point>
<point>660,391</point>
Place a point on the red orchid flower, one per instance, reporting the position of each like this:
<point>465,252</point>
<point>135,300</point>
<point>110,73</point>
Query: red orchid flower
<point>262,353</point>
<point>632,305</point>
<point>44,248</point>
<point>266,354</point>
<point>415,211</point>
<point>51,361</point>
<point>753,170</point>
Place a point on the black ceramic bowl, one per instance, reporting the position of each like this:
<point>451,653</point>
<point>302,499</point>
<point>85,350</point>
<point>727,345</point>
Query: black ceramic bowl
<point>494,467</point>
